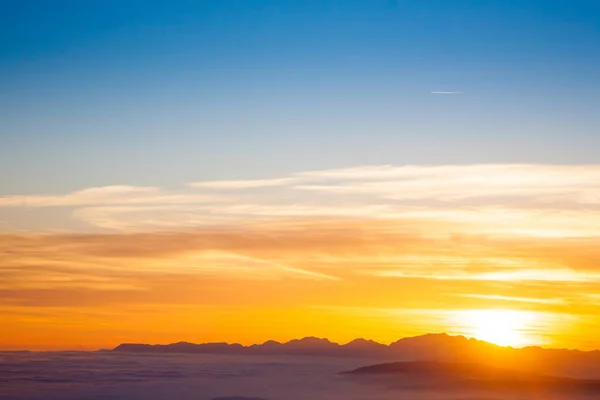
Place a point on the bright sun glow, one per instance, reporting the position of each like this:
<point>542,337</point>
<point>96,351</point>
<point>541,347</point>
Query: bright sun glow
<point>502,327</point>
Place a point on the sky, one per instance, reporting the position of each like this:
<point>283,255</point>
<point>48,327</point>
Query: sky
<point>250,170</point>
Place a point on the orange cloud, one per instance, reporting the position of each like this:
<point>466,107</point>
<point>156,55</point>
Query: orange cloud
<point>408,239</point>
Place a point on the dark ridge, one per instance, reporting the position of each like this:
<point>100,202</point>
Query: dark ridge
<point>432,368</point>
<point>469,374</point>
<point>430,347</point>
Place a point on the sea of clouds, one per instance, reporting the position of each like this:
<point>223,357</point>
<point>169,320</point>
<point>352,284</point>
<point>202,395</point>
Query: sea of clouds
<point>117,376</point>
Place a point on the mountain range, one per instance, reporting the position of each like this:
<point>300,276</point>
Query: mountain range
<point>429,347</point>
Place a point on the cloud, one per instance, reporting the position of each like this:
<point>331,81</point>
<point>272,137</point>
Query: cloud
<point>212,281</point>
<point>350,253</point>
<point>441,92</point>
<point>514,199</point>
<point>541,275</point>
<point>475,225</point>
<point>515,299</point>
<point>491,199</point>
<point>243,184</point>
<point>496,183</point>
<point>118,195</point>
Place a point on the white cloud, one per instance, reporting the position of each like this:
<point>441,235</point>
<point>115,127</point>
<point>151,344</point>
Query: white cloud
<point>491,199</point>
<point>242,184</point>
<point>542,183</point>
<point>108,195</point>
<point>221,263</point>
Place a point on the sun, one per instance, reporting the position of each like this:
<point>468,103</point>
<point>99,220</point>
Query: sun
<point>501,327</point>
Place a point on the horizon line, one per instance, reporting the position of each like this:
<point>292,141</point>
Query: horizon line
<point>468,338</point>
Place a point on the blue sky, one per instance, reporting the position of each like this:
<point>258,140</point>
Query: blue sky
<point>101,93</point>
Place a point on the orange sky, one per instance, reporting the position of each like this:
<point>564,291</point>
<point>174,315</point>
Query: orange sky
<point>375,252</point>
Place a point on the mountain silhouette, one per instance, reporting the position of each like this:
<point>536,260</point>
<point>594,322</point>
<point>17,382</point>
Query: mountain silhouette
<point>467,375</point>
<point>365,346</point>
<point>429,347</point>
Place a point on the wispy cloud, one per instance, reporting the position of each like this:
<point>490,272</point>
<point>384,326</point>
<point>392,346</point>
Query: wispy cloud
<point>513,299</point>
<point>520,275</point>
<point>493,199</point>
<point>478,223</point>
<point>117,195</point>
<point>243,184</point>
<point>291,263</point>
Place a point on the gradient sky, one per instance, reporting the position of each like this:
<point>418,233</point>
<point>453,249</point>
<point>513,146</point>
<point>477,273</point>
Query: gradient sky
<point>241,170</point>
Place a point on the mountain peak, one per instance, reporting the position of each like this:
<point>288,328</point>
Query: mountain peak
<point>270,343</point>
<point>311,340</point>
<point>432,338</point>
<point>360,342</point>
